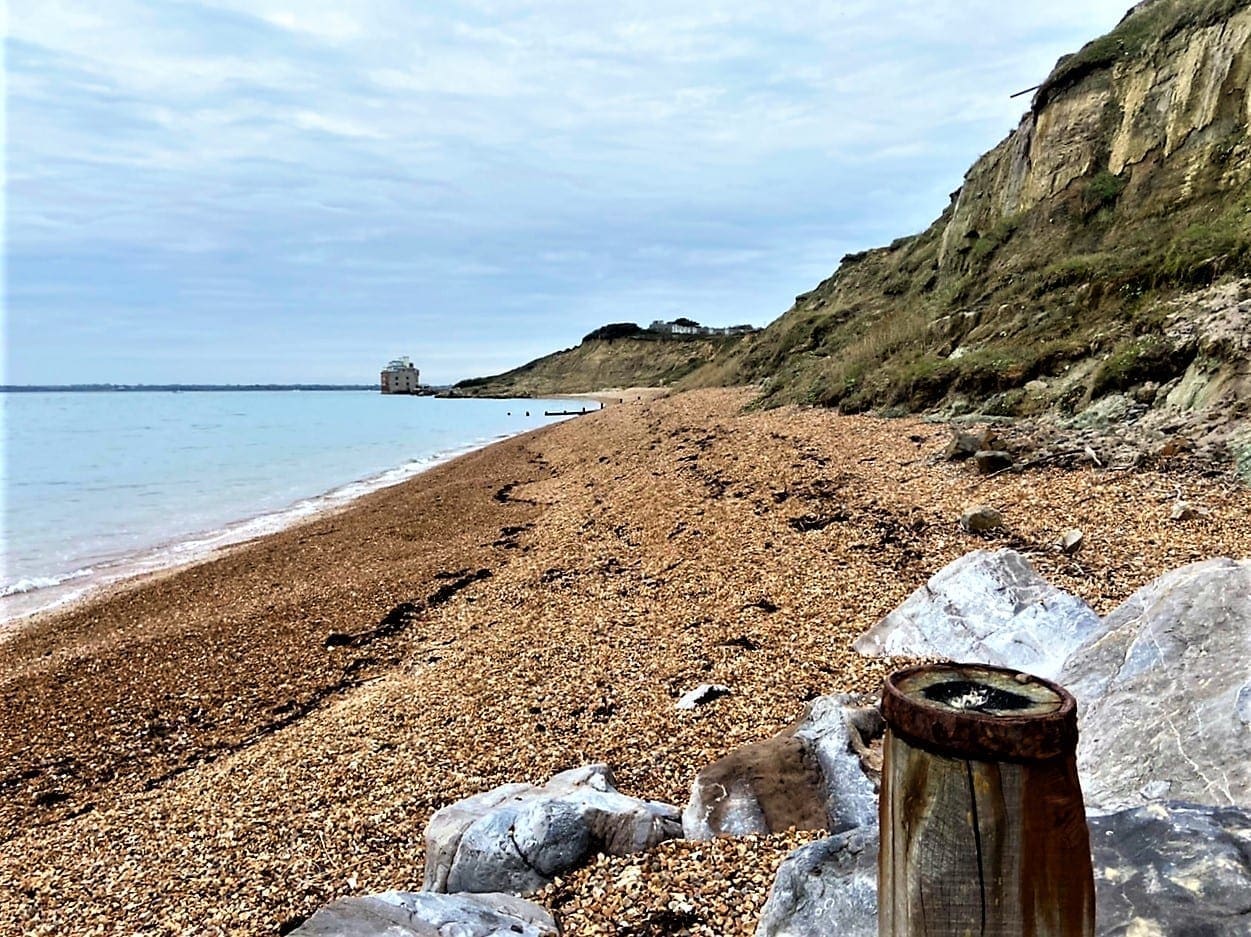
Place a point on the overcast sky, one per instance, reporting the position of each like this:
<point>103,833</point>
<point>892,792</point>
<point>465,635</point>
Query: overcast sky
<point>294,190</point>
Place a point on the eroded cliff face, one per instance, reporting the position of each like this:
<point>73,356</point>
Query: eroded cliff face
<point>1179,110</point>
<point>1059,273</point>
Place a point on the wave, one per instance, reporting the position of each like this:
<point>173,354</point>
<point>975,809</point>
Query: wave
<point>33,583</point>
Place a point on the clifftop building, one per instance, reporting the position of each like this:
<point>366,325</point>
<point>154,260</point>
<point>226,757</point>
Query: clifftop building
<point>691,327</point>
<point>400,377</point>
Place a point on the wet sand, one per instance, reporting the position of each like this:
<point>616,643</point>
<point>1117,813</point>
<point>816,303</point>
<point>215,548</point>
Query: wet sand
<point>224,749</point>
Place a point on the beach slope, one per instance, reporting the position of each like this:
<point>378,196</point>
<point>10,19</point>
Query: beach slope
<point>226,748</point>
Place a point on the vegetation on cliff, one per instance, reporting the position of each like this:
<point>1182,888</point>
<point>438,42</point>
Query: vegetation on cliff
<point>1063,254</point>
<point>620,354</point>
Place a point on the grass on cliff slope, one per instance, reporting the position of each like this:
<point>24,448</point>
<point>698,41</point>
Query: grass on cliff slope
<point>1029,299</point>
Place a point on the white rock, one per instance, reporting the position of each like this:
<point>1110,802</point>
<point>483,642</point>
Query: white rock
<point>825,888</point>
<point>424,914</point>
<point>518,837</point>
<point>1163,690</point>
<point>1183,511</point>
<point>1070,541</point>
<point>986,607</point>
<point>702,694</point>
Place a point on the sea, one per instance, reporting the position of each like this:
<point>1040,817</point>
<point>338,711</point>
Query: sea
<point>103,486</point>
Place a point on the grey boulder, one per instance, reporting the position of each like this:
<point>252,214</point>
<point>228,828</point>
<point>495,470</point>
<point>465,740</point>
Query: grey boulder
<point>811,776</point>
<point>518,837</point>
<point>987,607</point>
<point>402,914</point>
<point>1165,690</point>
<point>827,887</point>
<point>1173,870</point>
<point>1164,870</point>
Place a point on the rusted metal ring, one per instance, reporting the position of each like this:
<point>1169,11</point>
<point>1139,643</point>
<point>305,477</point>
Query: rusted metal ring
<point>1047,729</point>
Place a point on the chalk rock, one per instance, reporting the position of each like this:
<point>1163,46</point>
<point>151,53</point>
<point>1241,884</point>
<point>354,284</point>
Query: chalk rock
<point>1173,869</point>
<point>981,518</point>
<point>400,914</point>
<point>987,607</point>
<point>1183,511</point>
<point>1164,870</point>
<point>1165,688</point>
<point>702,694</point>
<point>811,777</point>
<point>1070,541</point>
<point>518,837</point>
<point>827,887</point>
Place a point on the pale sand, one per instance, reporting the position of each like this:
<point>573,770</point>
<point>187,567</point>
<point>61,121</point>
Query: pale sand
<point>190,756</point>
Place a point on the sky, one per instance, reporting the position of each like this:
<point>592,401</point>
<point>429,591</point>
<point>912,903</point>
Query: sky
<point>237,191</point>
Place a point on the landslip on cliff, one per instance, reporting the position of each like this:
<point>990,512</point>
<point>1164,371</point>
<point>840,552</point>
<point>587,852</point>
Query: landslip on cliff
<point>1102,248</point>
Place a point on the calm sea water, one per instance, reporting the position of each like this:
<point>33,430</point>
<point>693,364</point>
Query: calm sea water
<point>101,486</point>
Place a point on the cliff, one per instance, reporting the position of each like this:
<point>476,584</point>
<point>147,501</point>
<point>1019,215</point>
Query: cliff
<point>1097,250</point>
<point>637,359</point>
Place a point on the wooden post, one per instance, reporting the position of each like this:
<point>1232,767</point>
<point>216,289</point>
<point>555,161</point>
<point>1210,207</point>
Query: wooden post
<point>982,821</point>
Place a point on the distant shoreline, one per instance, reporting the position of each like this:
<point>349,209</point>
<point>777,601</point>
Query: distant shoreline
<point>150,388</point>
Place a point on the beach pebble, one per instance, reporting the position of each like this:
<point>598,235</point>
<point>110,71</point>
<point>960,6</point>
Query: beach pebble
<point>1070,541</point>
<point>981,518</point>
<point>702,695</point>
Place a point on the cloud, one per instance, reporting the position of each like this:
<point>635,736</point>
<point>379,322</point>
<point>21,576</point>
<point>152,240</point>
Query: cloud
<point>480,179</point>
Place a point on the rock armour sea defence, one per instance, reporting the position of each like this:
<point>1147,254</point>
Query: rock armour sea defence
<point>423,914</point>
<point>1166,870</point>
<point>987,607</point>
<point>518,837</point>
<point>809,777</point>
<point>1163,683</point>
<point>1166,688</point>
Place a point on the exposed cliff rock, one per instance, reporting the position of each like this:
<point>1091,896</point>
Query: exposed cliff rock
<point>1078,256</point>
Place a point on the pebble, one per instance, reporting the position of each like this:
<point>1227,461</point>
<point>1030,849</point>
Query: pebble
<point>225,772</point>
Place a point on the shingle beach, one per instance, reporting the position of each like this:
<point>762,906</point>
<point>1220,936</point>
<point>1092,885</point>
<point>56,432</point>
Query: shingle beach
<point>225,748</point>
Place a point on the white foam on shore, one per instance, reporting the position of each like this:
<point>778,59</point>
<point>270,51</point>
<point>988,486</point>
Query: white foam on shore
<point>36,594</point>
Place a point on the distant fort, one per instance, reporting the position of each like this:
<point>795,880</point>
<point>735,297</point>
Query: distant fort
<point>400,377</point>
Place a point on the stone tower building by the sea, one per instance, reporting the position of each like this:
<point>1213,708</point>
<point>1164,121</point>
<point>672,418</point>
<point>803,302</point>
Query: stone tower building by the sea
<point>400,377</point>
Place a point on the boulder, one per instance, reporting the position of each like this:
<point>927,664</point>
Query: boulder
<point>966,445</point>
<point>518,837</point>
<point>810,777</point>
<point>990,461</point>
<point>987,607</point>
<point>399,914</point>
<point>1173,869</point>
<point>981,518</point>
<point>827,887</point>
<point>1164,870</point>
<point>1165,688</point>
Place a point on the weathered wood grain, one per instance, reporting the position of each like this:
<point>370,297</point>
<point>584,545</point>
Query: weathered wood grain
<point>976,847</point>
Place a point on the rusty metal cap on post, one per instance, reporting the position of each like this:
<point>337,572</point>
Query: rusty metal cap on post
<point>980,712</point>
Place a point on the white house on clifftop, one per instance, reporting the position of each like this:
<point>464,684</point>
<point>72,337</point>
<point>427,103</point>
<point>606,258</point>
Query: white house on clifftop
<point>400,377</point>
